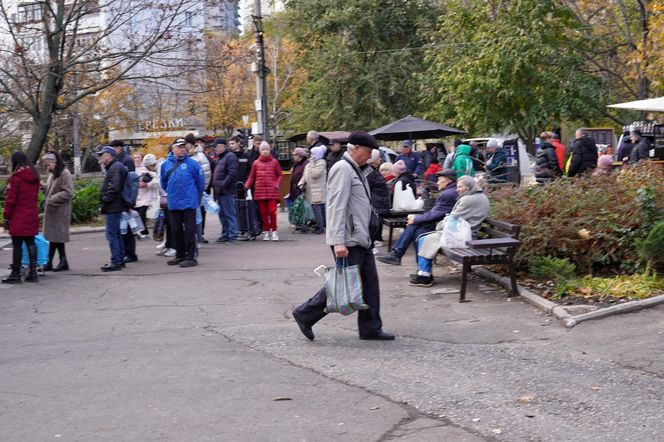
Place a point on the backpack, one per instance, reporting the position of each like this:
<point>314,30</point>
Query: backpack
<point>130,188</point>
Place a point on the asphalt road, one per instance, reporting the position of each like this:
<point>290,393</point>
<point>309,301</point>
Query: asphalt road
<point>156,353</point>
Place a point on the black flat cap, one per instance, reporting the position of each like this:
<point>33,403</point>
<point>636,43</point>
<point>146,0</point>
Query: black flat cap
<point>448,173</point>
<point>361,138</point>
<point>116,143</point>
<point>219,141</point>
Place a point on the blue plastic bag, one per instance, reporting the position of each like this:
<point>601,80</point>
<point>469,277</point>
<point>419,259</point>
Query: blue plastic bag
<point>42,251</point>
<point>210,205</point>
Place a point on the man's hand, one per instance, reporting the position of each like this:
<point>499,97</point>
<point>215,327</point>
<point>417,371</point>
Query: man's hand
<point>340,251</point>
<point>411,219</point>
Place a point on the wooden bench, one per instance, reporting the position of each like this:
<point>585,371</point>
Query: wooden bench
<point>498,245</point>
<point>393,223</point>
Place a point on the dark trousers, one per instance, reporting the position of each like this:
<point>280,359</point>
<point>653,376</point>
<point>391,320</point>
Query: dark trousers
<point>170,244</point>
<point>183,228</point>
<point>368,321</point>
<point>17,249</point>
<point>143,213</point>
<point>129,241</point>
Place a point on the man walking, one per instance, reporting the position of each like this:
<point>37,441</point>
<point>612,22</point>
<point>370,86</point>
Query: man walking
<point>426,222</point>
<point>184,182</point>
<point>348,217</point>
<point>335,153</point>
<point>224,183</point>
<point>112,206</point>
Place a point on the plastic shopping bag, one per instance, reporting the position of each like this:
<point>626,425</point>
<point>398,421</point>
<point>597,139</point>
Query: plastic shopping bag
<point>209,204</point>
<point>343,288</point>
<point>159,226</point>
<point>42,251</point>
<point>404,199</point>
<point>456,232</point>
<point>135,222</point>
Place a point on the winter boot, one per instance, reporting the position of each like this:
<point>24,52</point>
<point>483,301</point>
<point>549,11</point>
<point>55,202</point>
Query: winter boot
<point>64,265</point>
<point>32,272</point>
<point>14,277</point>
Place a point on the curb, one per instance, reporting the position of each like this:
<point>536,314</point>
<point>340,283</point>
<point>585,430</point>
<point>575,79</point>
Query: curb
<point>74,231</point>
<point>559,312</point>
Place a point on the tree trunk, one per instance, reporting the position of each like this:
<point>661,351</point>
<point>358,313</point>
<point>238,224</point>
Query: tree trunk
<point>40,131</point>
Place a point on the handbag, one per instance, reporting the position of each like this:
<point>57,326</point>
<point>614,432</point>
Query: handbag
<point>343,288</point>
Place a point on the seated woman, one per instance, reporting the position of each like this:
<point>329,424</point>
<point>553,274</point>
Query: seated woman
<point>472,205</point>
<point>403,178</point>
<point>425,222</point>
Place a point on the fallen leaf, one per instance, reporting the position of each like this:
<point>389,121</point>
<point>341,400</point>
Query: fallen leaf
<point>525,399</point>
<point>596,388</point>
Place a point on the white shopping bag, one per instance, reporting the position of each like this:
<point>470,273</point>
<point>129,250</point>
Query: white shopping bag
<point>456,232</point>
<point>403,199</point>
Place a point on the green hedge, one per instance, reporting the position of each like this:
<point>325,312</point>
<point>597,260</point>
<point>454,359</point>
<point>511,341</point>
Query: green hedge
<point>85,204</point>
<point>594,222</point>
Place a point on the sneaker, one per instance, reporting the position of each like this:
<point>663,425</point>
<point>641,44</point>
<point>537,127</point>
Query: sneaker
<point>275,236</point>
<point>188,263</point>
<point>161,251</point>
<point>161,246</point>
<point>232,242</point>
<point>243,236</point>
<point>379,243</point>
<point>170,252</point>
<point>390,258</point>
<point>221,239</point>
<point>266,236</point>
<point>422,281</point>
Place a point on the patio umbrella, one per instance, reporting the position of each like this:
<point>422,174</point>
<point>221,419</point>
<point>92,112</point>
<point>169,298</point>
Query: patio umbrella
<point>650,105</point>
<point>410,127</point>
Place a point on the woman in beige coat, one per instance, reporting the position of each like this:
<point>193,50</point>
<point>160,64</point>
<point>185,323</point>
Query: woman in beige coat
<point>314,181</point>
<point>57,209</point>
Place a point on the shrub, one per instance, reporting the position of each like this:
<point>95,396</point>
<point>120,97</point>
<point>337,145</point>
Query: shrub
<point>85,204</point>
<point>546,267</point>
<point>594,222</point>
<point>651,249</point>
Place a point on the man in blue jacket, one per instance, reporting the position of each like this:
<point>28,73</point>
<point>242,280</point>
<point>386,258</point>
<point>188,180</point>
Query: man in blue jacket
<point>426,222</point>
<point>224,183</point>
<point>184,182</point>
<point>411,158</point>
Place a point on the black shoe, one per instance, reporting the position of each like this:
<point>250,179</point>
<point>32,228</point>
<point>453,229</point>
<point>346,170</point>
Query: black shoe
<point>380,336</point>
<point>232,242</point>
<point>188,263</point>
<point>111,267</point>
<point>221,240</point>
<point>422,281</point>
<point>64,265</point>
<point>390,258</point>
<point>204,241</point>
<point>174,261</point>
<point>47,267</point>
<point>32,274</point>
<point>14,277</point>
<point>128,259</point>
<point>305,329</point>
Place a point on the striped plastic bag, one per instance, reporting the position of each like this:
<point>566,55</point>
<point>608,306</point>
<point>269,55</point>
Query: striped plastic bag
<point>343,288</point>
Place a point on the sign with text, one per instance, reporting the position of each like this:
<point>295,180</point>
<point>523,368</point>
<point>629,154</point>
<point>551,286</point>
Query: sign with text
<point>159,124</point>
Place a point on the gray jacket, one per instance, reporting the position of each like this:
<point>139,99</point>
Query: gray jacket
<point>203,161</point>
<point>348,208</point>
<point>473,207</point>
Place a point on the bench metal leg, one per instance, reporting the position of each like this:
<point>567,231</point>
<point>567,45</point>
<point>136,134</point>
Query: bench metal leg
<point>389,239</point>
<point>464,276</point>
<point>514,290</point>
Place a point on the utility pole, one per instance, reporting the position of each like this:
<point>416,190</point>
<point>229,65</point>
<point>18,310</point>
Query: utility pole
<point>261,72</point>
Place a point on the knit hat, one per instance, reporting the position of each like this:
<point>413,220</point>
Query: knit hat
<point>318,152</point>
<point>300,152</point>
<point>149,160</point>
<point>399,167</point>
<point>375,155</point>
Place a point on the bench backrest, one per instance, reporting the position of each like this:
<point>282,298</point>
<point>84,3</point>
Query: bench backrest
<point>500,229</point>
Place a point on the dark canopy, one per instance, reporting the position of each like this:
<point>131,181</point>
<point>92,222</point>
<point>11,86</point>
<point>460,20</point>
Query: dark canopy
<point>410,127</point>
<point>340,135</point>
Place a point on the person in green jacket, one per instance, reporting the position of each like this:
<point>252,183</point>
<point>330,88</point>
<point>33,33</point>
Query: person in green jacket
<point>463,164</point>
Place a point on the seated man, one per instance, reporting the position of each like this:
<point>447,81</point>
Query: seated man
<point>426,222</point>
<point>473,206</point>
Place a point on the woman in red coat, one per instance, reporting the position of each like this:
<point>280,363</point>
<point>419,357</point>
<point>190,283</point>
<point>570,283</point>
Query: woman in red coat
<point>22,216</point>
<point>265,177</point>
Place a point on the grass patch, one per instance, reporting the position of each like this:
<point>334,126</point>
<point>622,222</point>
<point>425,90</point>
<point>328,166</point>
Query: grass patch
<point>638,286</point>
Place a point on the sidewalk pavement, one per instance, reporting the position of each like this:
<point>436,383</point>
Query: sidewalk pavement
<point>161,353</point>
